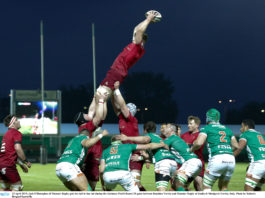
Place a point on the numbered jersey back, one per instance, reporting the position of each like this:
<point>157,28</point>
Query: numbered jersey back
<point>218,139</point>
<point>255,144</point>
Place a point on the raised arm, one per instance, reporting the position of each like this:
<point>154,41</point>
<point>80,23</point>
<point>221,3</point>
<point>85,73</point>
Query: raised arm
<point>119,101</point>
<point>140,29</point>
<point>100,100</point>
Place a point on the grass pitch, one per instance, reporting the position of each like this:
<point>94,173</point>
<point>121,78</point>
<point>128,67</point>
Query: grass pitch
<point>43,178</point>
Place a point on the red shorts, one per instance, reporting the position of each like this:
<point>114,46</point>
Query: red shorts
<point>93,156</point>
<point>112,76</point>
<point>136,165</point>
<point>92,169</point>
<point>9,174</point>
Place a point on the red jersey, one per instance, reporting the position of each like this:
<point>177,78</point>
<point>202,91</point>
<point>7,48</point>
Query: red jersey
<point>96,149</point>
<point>125,60</point>
<point>8,155</point>
<point>189,138</point>
<point>128,126</point>
<point>89,126</point>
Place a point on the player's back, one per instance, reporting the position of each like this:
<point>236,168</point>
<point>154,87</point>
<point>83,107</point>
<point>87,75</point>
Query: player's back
<point>218,139</point>
<point>8,155</point>
<point>74,152</point>
<point>161,153</point>
<point>117,156</point>
<point>179,148</point>
<point>255,144</point>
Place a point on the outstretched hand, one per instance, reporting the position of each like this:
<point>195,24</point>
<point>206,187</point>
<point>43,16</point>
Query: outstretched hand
<point>24,168</point>
<point>135,158</point>
<point>122,137</point>
<point>105,133</point>
<point>151,15</point>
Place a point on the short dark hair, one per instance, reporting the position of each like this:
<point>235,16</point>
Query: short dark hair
<point>7,119</point>
<point>114,138</point>
<point>250,123</point>
<point>196,119</point>
<point>150,127</point>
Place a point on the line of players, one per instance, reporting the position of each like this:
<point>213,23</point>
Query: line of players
<point>85,150</point>
<point>115,164</point>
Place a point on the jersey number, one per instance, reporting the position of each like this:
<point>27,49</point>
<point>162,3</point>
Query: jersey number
<point>3,147</point>
<point>222,138</point>
<point>261,140</point>
<point>114,150</point>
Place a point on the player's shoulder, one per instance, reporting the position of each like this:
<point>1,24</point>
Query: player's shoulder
<point>185,134</point>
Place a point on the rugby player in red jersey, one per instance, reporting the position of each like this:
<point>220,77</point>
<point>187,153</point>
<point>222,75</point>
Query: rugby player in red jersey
<point>91,165</point>
<point>12,152</point>
<point>128,125</point>
<point>125,60</point>
<point>189,137</point>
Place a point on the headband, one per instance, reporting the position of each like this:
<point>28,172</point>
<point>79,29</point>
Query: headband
<point>12,121</point>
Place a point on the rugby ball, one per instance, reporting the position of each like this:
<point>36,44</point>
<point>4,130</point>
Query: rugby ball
<point>157,14</point>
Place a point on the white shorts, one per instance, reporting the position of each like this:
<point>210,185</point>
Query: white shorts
<point>124,178</point>
<point>221,165</point>
<point>257,169</point>
<point>166,167</point>
<point>191,167</point>
<point>66,171</point>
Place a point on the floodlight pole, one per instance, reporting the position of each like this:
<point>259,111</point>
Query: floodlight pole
<point>42,82</point>
<point>94,57</point>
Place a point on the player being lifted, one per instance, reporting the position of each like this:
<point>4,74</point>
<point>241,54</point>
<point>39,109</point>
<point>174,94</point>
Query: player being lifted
<point>221,143</point>
<point>128,125</point>
<point>91,164</point>
<point>255,143</point>
<point>125,60</point>
<point>114,166</point>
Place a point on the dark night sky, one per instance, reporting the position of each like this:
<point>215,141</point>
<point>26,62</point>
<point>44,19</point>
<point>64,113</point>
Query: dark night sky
<point>210,49</point>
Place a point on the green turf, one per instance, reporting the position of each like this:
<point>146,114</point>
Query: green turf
<point>43,178</point>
